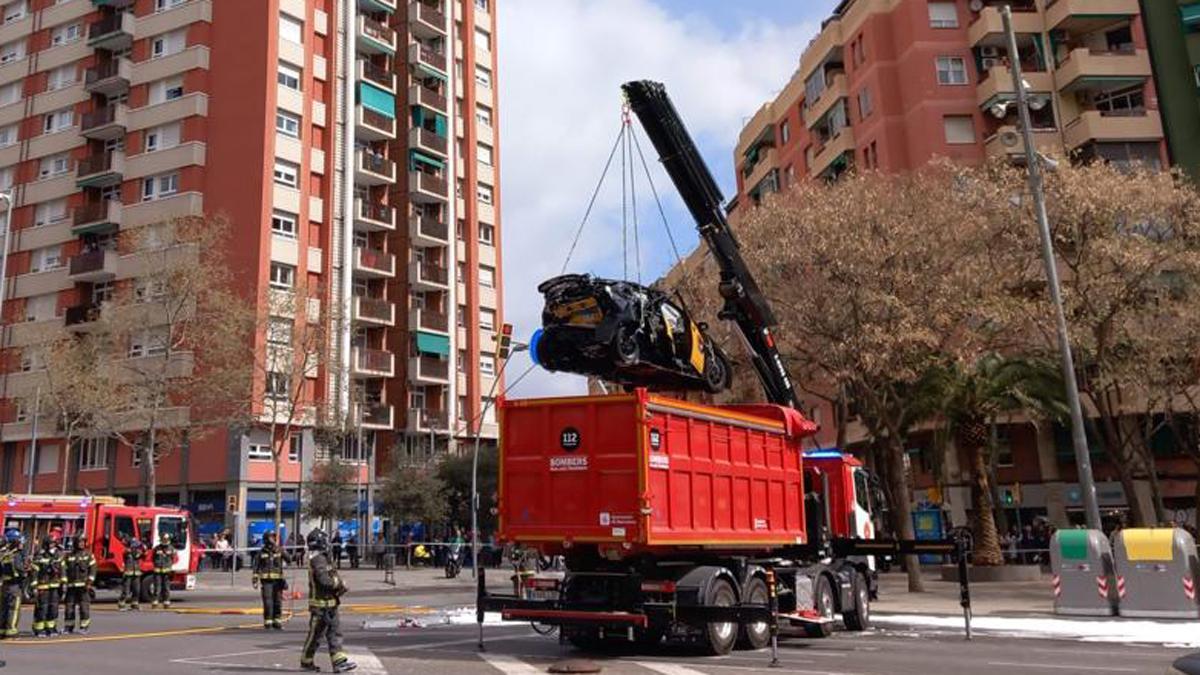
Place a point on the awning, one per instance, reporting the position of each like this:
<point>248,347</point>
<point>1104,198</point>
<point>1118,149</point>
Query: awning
<point>417,157</point>
<point>428,343</point>
<point>377,99</point>
<point>1191,14</point>
<point>426,70</point>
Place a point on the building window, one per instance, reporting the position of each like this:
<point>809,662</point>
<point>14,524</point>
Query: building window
<point>59,120</point>
<point>785,132</point>
<point>41,307</point>
<point>289,76</point>
<point>283,224</point>
<point>62,76</point>
<point>291,29</point>
<point>960,129</point>
<point>865,105</point>
<point>46,258</point>
<point>487,276</point>
<point>282,275</point>
<point>164,5</point>
<point>159,187</point>
<point>1004,447</point>
<point>487,234</point>
<point>167,89</point>
<point>951,70</point>
<point>102,292</point>
<point>487,364</point>
<point>13,51</point>
<point>487,319</point>
<point>485,154</point>
<point>14,11</point>
<point>55,165</point>
<point>481,5</point>
<point>148,343</point>
<point>943,15</point>
<point>167,44</point>
<point>287,124</point>
<point>46,213</point>
<point>294,448</point>
<point>279,331</point>
<point>287,174</point>
<point>162,137</point>
<point>93,454</point>
<point>483,77</point>
<point>483,115</point>
<point>484,193</point>
<point>277,386</point>
<point>483,40</point>
<point>63,35</point>
<point>1131,99</point>
<point>10,93</point>
<point>259,452</point>
<point>8,135</point>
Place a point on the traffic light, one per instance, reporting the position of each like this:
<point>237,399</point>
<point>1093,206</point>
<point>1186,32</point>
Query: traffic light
<point>231,503</point>
<point>1007,496</point>
<point>504,341</point>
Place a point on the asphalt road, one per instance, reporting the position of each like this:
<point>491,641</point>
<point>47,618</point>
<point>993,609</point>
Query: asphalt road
<point>196,641</point>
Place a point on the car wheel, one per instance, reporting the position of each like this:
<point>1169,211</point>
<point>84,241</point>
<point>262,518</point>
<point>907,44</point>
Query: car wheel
<point>716,372</point>
<point>626,346</point>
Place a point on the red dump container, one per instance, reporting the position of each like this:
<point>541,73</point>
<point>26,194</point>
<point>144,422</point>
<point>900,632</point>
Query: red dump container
<point>636,471</point>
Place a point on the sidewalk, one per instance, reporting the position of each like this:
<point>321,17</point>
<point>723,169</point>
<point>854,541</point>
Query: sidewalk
<point>362,581</point>
<point>1017,598</point>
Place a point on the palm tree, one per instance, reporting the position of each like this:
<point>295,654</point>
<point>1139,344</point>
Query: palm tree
<point>971,398</point>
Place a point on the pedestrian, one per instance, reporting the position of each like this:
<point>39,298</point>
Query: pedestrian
<point>131,574</point>
<point>268,574</point>
<point>352,551</point>
<point>81,576</point>
<point>164,557</point>
<point>49,579</point>
<point>337,550</point>
<point>325,591</point>
<point>13,564</point>
<point>224,552</point>
<point>377,551</point>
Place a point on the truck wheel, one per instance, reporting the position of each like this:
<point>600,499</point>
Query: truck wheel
<point>823,597</point>
<point>755,635</point>
<point>858,617</point>
<point>585,639</point>
<point>721,637</point>
<point>146,591</point>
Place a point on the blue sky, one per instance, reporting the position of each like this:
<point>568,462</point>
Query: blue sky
<point>561,66</point>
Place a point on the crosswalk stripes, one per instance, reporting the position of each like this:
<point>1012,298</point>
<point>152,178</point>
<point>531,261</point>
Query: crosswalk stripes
<point>668,668</point>
<point>368,663</point>
<point>510,665</point>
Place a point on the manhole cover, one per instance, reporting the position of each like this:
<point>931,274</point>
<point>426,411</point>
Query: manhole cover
<point>575,666</point>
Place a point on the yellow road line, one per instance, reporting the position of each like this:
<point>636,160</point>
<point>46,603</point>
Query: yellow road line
<point>127,636</point>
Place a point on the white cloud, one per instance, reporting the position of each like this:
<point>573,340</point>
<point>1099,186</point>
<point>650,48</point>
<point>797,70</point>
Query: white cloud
<point>561,67</point>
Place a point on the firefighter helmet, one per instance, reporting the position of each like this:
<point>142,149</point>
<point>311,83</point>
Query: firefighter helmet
<point>318,540</point>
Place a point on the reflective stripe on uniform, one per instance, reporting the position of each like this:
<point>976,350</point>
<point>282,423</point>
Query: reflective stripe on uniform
<point>319,603</point>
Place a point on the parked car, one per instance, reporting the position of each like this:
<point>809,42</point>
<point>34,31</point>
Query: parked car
<point>625,333</point>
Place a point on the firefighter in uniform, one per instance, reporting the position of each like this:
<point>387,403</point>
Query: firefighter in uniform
<point>268,574</point>
<point>13,568</point>
<point>325,590</point>
<point>131,574</point>
<point>81,575</point>
<point>163,557</point>
<point>50,579</point>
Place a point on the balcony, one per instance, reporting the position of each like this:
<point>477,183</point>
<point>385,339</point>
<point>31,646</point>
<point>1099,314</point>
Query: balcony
<point>987,27</point>
<point>114,32</point>
<point>375,416</point>
<point>421,95</point>
<point>428,320</point>
<point>830,159</point>
<point>109,79</point>
<point>371,168</point>
<point>373,311</point>
<point>370,262</point>
<point>835,92</point>
<point>101,170</point>
<point>1078,17</point>
<point>96,217</point>
<point>106,124</point>
<point>428,142</point>
<point>115,4</point>
<point>1007,143</point>
<point>424,232</point>
<point>377,75</point>
<point>93,266</point>
<point>372,217</point>
<point>996,85</point>
<point>423,421</point>
<point>425,21</point>
<point>375,38</point>
<point>388,6</point>
<point>425,276</point>
<point>82,318</point>
<point>428,370</point>
<point>1099,70</point>
<point>372,363</point>
<point>372,126</point>
<point>427,188</point>
<point>422,57</point>
<point>1102,126</point>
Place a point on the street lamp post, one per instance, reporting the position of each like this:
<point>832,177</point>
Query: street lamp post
<point>1083,459</point>
<point>7,198</point>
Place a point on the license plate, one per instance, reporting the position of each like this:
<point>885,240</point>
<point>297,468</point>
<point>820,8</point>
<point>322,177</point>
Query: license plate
<point>190,584</point>
<point>583,312</point>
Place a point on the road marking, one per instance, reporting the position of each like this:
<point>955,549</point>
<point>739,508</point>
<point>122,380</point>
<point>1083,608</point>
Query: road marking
<point>451,643</point>
<point>667,668</point>
<point>28,642</point>
<point>368,663</point>
<point>509,665</point>
<point>672,669</point>
<point>207,660</point>
<point>1027,666</point>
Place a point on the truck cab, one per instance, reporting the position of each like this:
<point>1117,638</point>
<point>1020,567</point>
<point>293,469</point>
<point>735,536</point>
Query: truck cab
<point>845,488</point>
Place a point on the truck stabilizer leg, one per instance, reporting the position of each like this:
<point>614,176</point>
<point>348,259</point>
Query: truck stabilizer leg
<point>773,604</point>
<point>964,587</point>
<point>480,597</point>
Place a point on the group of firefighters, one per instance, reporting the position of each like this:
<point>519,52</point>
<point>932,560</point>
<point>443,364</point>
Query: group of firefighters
<point>63,571</point>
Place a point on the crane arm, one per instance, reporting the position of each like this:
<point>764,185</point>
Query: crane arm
<point>744,302</point>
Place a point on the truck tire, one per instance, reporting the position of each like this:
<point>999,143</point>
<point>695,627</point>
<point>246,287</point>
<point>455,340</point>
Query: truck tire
<point>858,616</point>
<point>719,638</point>
<point>755,635</point>
<point>824,604</point>
<point>585,639</point>
<point>146,592</point>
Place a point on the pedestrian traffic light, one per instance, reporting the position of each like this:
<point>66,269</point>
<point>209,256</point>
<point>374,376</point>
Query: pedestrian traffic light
<point>1007,496</point>
<point>504,340</point>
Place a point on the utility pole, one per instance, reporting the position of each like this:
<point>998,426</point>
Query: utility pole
<point>1083,460</point>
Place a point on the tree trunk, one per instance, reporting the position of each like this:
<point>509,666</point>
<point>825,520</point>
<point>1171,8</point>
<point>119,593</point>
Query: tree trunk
<point>151,471</point>
<point>66,463</point>
<point>278,493</point>
<point>987,540</point>
<point>1137,517</point>
<point>902,496</point>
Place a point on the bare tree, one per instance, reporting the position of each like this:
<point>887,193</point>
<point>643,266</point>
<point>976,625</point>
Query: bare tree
<point>74,389</point>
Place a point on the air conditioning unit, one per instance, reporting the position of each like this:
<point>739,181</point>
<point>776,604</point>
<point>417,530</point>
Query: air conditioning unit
<point>989,63</point>
<point>989,51</point>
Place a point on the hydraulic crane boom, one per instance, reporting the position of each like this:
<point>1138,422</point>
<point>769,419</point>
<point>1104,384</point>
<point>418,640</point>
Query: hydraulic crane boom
<point>744,304</point>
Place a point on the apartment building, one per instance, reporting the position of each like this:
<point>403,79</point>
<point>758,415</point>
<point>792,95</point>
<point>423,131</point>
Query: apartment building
<point>1174,32</point>
<point>330,133</point>
<point>890,84</point>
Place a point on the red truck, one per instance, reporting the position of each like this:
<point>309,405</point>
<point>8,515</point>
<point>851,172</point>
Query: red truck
<point>103,520</point>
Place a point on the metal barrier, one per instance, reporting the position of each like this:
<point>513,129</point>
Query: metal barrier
<point>1084,578</point>
<point>1156,573</point>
